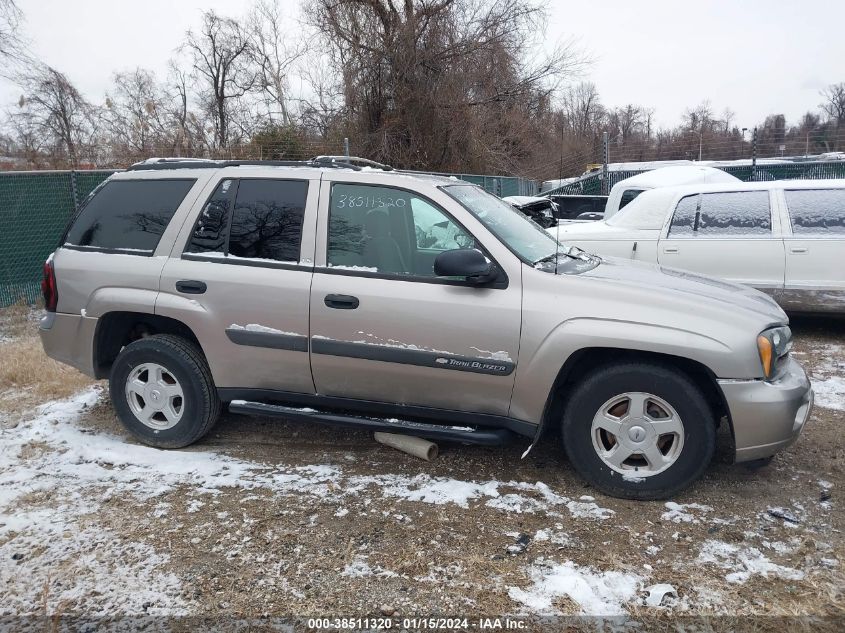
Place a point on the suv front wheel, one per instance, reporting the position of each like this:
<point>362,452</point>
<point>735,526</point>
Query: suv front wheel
<point>163,392</point>
<point>639,431</point>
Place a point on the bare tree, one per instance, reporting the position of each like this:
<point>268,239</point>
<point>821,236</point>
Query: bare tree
<point>52,105</point>
<point>834,102</point>
<point>135,112</point>
<point>12,44</point>
<point>221,54</point>
<point>583,109</point>
<point>276,53</point>
<point>441,83</point>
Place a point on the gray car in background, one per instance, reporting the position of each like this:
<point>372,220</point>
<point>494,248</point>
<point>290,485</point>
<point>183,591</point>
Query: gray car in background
<point>409,304</point>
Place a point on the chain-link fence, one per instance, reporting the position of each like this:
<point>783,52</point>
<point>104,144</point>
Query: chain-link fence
<point>34,210</point>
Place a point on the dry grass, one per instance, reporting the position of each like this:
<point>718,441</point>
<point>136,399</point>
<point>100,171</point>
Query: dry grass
<point>27,376</point>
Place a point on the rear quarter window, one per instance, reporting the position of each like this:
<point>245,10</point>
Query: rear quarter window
<point>128,215</point>
<point>723,214</point>
<point>817,211</point>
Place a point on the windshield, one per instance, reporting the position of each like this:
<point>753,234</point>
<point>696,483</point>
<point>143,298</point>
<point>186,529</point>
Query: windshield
<point>525,238</point>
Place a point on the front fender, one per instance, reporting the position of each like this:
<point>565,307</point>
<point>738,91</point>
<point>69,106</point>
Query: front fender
<point>539,367</point>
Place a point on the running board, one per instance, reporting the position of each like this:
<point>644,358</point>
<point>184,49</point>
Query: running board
<point>470,435</point>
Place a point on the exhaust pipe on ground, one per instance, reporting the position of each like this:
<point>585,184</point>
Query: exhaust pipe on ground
<point>415,446</point>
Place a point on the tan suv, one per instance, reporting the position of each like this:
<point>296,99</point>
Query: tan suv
<point>384,300</point>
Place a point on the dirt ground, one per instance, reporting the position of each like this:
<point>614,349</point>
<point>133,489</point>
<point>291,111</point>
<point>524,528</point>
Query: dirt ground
<point>272,518</point>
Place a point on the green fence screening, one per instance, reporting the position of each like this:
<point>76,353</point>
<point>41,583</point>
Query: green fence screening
<point>808,170</point>
<point>34,209</point>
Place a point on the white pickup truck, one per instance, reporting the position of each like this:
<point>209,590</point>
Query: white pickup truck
<point>786,238</point>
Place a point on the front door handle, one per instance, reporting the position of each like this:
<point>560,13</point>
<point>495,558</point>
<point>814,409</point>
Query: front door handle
<point>670,250</point>
<point>342,302</point>
<point>191,286</point>
<point>798,249</point>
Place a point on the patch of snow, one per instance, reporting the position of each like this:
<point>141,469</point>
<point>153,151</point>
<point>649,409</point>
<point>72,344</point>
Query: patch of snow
<point>368,269</point>
<point>360,568</point>
<point>744,561</point>
<point>500,355</point>
<point>595,592</point>
<point>257,327</point>
<point>830,392</point>
<point>633,478</point>
<point>679,512</point>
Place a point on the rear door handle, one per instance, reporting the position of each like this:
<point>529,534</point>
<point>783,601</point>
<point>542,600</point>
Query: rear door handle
<point>342,302</point>
<point>670,250</point>
<point>799,249</point>
<point>191,286</point>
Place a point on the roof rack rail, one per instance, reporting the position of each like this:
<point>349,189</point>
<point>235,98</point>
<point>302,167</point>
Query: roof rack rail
<point>351,161</point>
<point>210,163</point>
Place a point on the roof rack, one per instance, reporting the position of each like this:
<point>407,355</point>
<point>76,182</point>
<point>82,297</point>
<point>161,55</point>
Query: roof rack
<point>338,162</point>
<point>351,161</point>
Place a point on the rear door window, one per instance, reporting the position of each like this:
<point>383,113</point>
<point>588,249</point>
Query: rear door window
<point>128,215</point>
<point>252,218</point>
<point>267,219</point>
<point>720,215</point>
<point>817,211</point>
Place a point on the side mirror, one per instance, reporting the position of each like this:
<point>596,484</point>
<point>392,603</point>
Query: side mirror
<point>467,263</point>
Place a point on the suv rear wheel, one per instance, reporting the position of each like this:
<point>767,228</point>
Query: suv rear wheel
<point>163,392</point>
<point>639,431</point>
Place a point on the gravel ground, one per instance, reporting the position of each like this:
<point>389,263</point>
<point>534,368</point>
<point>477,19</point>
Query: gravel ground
<point>272,518</point>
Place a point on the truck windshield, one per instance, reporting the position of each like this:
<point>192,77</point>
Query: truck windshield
<point>525,238</point>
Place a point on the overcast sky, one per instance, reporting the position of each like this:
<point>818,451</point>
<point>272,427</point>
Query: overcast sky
<point>755,56</point>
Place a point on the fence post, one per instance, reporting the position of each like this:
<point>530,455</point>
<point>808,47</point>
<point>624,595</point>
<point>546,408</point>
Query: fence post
<point>605,155</point>
<point>74,190</point>
<point>754,155</point>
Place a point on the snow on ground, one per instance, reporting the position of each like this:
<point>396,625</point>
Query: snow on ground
<point>828,378</point>
<point>680,512</point>
<point>64,557</point>
<point>746,561</point>
<point>595,592</point>
<point>59,558</point>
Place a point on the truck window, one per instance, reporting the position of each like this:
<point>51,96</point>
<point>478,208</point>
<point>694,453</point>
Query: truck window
<point>128,215</point>
<point>817,211</point>
<point>261,217</point>
<point>717,215</point>
<point>387,230</point>
<point>628,196</point>
<point>267,219</point>
<point>209,234</point>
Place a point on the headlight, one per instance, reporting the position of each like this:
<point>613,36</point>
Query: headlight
<point>773,345</point>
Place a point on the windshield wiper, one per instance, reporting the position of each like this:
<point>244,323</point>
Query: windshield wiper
<point>568,251</point>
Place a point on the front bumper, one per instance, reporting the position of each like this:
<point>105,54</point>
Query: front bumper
<point>768,416</point>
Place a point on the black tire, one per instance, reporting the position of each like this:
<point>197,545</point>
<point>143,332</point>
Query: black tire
<point>669,384</point>
<point>201,405</point>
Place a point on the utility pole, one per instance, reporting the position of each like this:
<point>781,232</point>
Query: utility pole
<point>346,147</point>
<point>605,156</point>
<point>754,155</point>
<point>807,146</point>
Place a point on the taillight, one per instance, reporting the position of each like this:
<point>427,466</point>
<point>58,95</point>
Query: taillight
<point>48,286</point>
